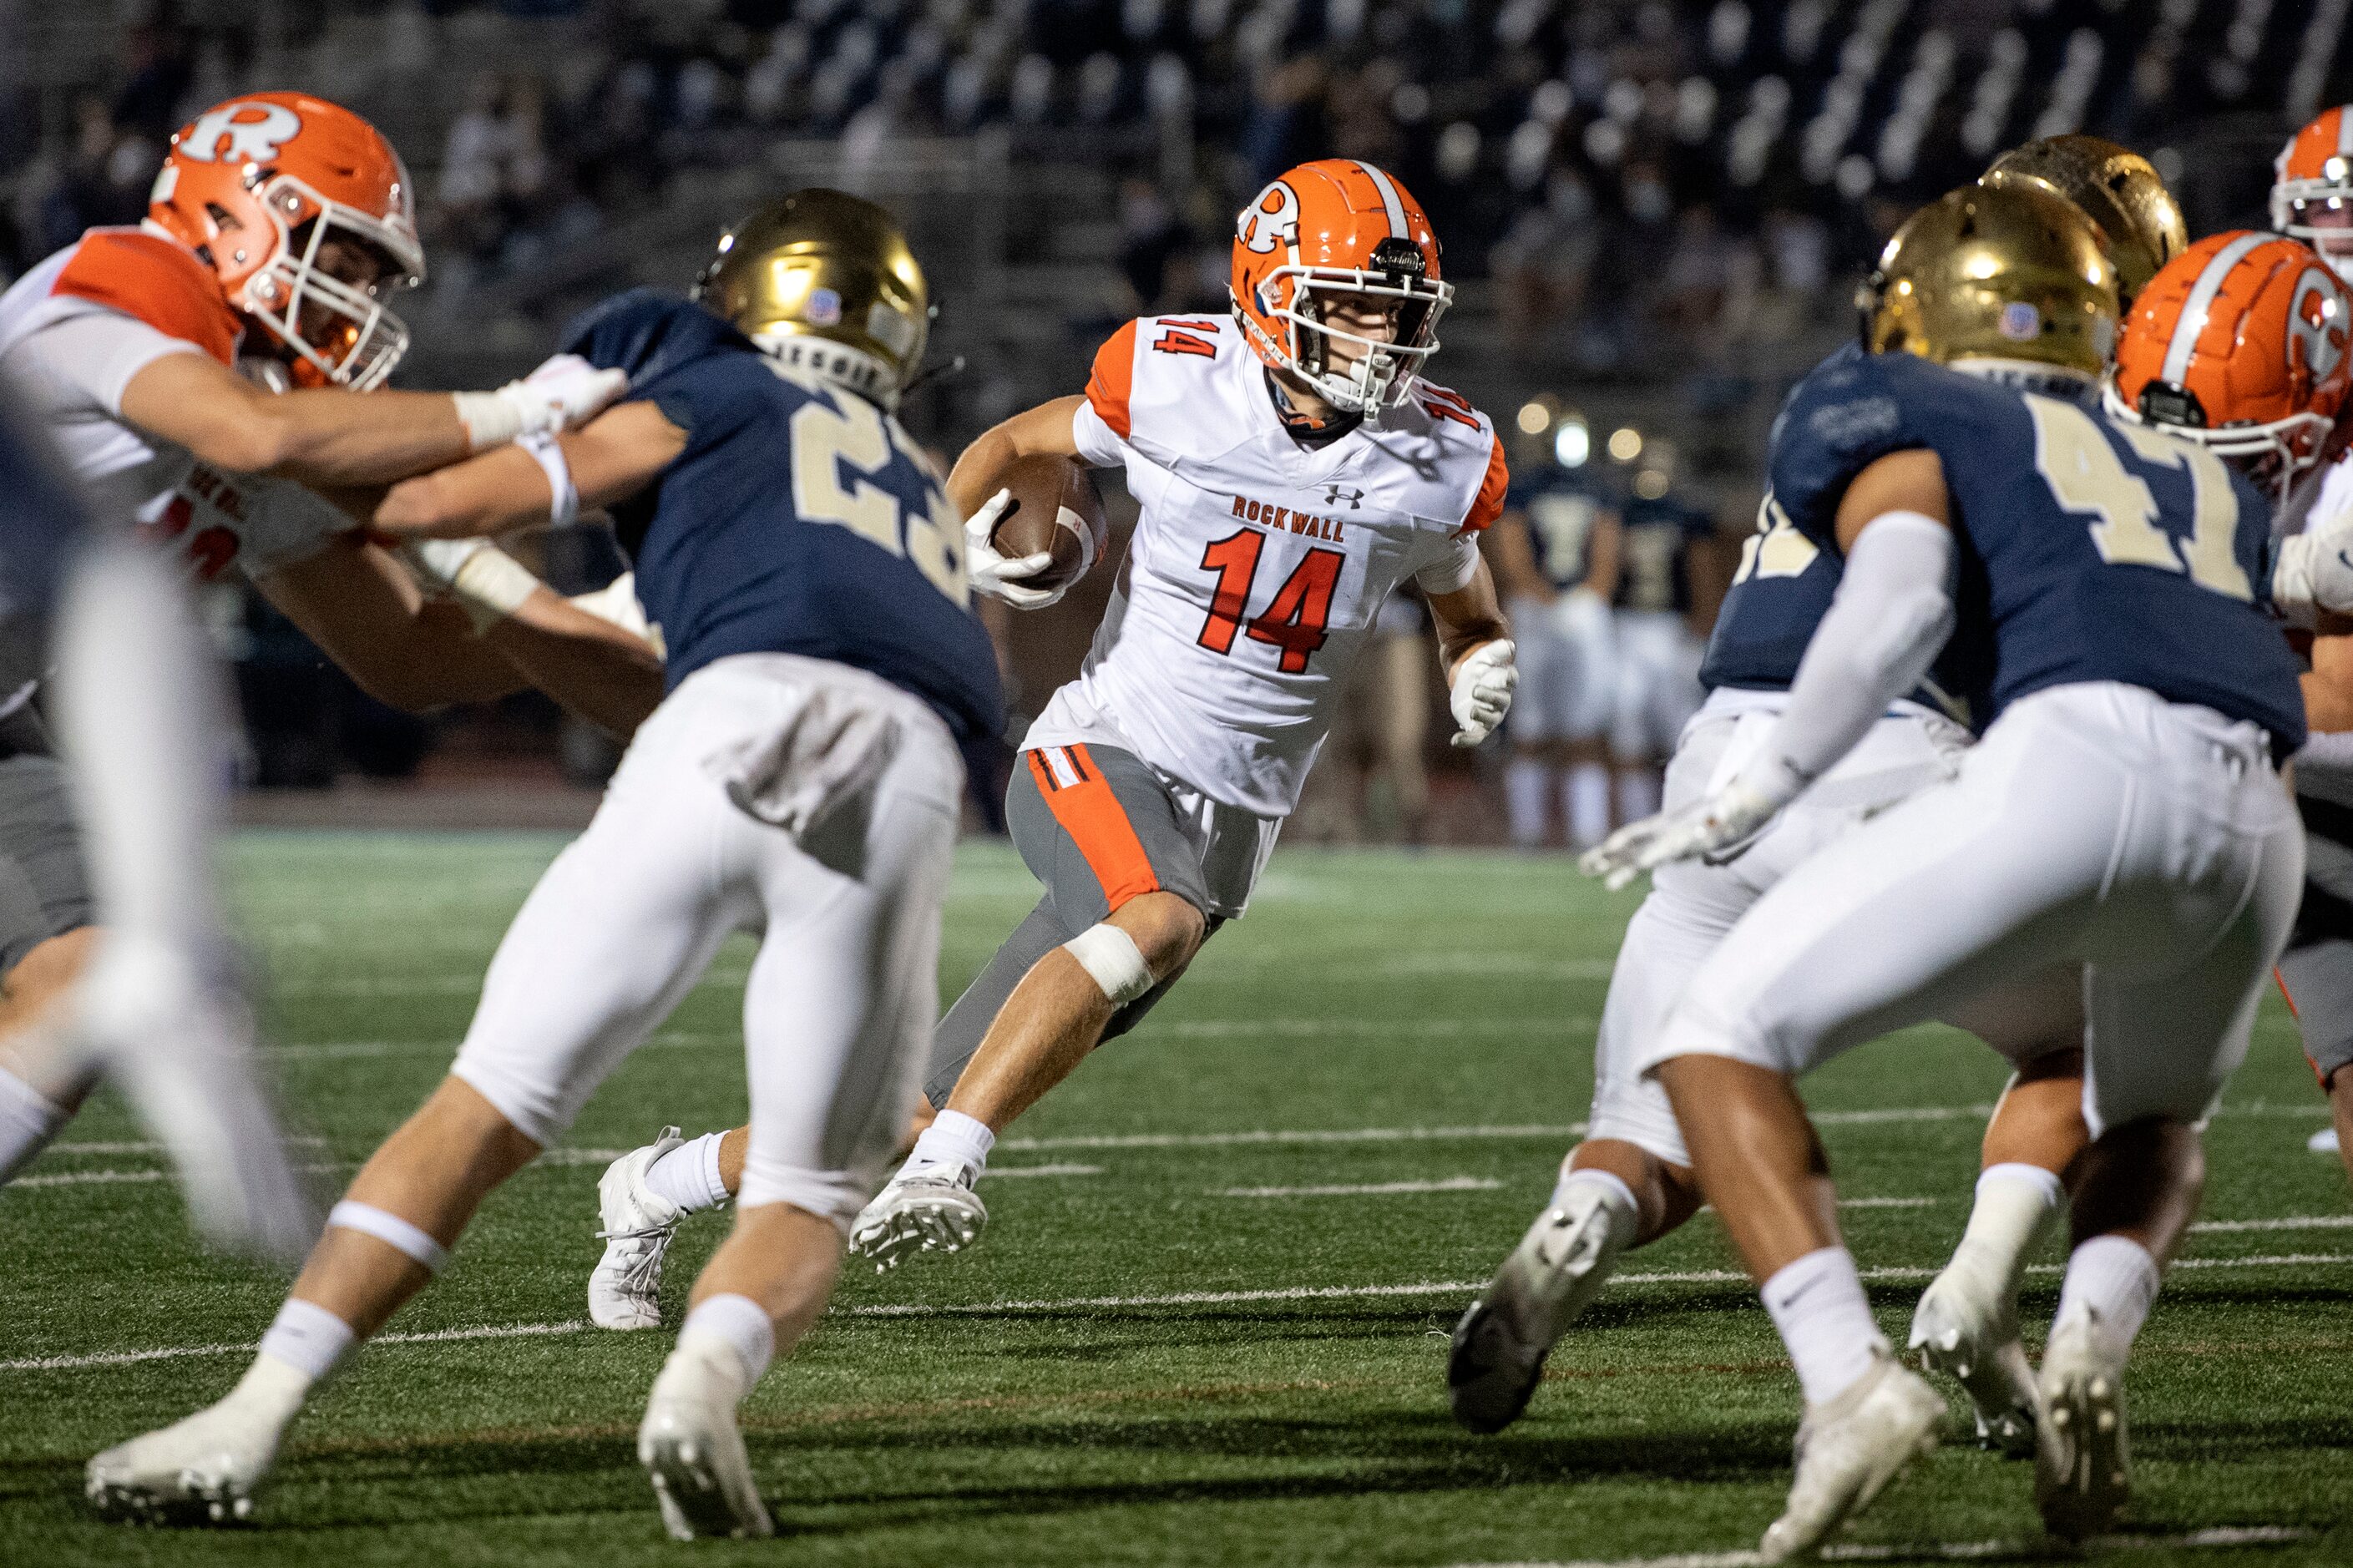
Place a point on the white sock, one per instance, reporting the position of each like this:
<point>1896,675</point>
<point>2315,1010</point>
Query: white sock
<point>738,1324</point>
<point>142,715</point>
<point>1526,790</point>
<point>308,1339</point>
<point>28,1119</point>
<point>2114,1277</point>
<point>954,1139</point>
<point>1624,1209</point>
<point>1585,800</point>
<point>689,1174</point>
<point>1818,1304</point>
<point>1638,794</point>
<point>2015,1205</point>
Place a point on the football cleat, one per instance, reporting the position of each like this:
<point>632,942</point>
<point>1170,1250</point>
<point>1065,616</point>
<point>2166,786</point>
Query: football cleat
<point>625,1288</point>
<point>1498,1353</point>
<point>2081,1466</point>
<point>924,1208</point>
<point>1849,1449</point>
<point>200,1471</point>
<point>1958,1332</point>
<point>694,1455</point>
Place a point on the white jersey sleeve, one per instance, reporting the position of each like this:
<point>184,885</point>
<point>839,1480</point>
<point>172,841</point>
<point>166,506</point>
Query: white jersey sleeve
<point>215,521</point>
<point>1260,565</point>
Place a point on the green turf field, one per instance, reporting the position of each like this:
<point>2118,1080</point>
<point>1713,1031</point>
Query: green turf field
<point>1207,1323</point>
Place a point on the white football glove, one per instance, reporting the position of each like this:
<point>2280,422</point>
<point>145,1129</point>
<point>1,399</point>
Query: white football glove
<point>1482,693</point>
<point>999,577</point>
<point>2312,570</point>
<point>1706,828</point>
<point>563,392</point>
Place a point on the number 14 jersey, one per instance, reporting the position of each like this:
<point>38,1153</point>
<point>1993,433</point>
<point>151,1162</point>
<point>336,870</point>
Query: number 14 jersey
<point>1258,563</point>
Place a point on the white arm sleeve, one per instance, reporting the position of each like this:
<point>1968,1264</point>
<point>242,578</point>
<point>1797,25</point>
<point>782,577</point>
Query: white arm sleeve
<point>1099,445</point>
<point>1452,565</point>
<point>1891,616</point>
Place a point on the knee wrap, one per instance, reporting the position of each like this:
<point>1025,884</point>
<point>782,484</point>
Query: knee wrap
<point>392,1230</point>
<point>1111,957</point>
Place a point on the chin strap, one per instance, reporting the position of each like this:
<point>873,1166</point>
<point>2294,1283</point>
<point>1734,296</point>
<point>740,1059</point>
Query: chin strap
<point>1304,428</point>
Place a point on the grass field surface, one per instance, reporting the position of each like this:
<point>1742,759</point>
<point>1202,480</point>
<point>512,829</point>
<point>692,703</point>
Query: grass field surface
<point>1206,1325</point>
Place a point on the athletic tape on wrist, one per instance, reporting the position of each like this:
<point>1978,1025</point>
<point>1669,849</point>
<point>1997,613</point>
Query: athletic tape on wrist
<point>548,452</point>
<point>491,418</point>
<point>1111,958</point>
<point>492,585</point>
<point>392,1230</point>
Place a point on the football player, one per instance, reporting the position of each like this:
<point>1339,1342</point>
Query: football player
<point>2312,187</point>
<point>1555,552</point>
<point>279,226</point>
<point>1294,468</point>
<point>1629,1182</point>
<point>2104,584</point>
<point>1661,603</point>
<point>802,777</point>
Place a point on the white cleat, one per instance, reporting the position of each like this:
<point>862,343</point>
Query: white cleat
<point>1849,1449</point>
<point>200,1471</point>
<point>625,1288</point>
<point>1499,1349</point>
<point>2082,1470</point>
<point>177,1039</point>
<point>1958,1332</point>
<point>694,1455</point>
<point>927,1208</point>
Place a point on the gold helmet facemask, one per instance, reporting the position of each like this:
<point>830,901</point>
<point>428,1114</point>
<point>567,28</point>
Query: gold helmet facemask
<point>2116,188</point>
<point>2009,274</point>
<point>824,284</point>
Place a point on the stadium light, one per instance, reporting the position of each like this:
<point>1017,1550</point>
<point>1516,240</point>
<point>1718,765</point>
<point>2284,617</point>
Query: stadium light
<point>1533,417</point>
<point>1625,443</point>
<point>1572,443</point>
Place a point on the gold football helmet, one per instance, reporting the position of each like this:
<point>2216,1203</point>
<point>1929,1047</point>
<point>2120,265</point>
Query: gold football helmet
<point>825,283</point>
<point>2116,188</point>
<point>2009,272</point>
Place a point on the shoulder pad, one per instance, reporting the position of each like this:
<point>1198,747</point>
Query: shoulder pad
<point>154,281</point>
<point>647,333</point>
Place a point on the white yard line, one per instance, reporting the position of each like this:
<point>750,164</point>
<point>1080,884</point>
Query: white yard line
<point>2294,1222</point>
<point>1081,1303</point>
<point>1049,1170</point>
<point>1889,1203</point>
<point>1957,1551</point>
<point>1369,1189</point>
<point>114,1178</point>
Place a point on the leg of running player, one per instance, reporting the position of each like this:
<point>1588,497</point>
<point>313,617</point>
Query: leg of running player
<point>612,937</point>
<point>44,1077</point>
<point>141,719</point>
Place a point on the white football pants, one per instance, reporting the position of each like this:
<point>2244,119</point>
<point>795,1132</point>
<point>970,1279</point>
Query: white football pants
<point>839,1008</point>
<point>1693,903</point>
<point>2150,841</point>
<point>1567,689</point>
<point>1655,670</point>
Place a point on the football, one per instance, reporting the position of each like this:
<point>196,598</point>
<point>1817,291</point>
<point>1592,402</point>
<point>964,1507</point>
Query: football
<point>1055,509</point>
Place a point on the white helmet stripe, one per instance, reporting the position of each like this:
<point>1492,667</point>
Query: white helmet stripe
<point>1390,205</point>
<point>2194,309</point>
<point>2345,129</point>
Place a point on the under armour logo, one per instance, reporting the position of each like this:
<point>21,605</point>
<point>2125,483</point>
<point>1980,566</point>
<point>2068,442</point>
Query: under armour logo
<point>1333,495</point>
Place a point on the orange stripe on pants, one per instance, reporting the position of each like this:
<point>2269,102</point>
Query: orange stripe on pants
<point>1092,816</point>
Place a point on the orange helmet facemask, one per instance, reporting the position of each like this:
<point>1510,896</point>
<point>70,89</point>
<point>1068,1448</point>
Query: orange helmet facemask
<point>1338,226</point>
<point>2240,344</point>
<point>2312,187</point>
<point>260,187</point>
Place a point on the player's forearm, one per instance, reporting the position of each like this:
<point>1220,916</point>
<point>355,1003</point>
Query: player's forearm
<point>1466,618</point>
<point>1043,431</point>
<point>599,671</point>
<point>329,438</point>
<point>1891,616</point>
<point>432,660</point>
<point>495,493</point>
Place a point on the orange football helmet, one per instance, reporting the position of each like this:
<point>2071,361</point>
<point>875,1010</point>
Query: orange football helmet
<point>2312,187</point>
<point>258,187</point>
<point>1338,226</point>
<point>2239,343</point>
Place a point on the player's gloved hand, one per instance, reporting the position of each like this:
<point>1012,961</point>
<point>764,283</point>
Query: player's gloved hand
<point>487,582</point>
<point>1709,827</point>
<point>1000,576</point>
<point>563,392</point>
<point>2312,570</point>
<point>1482,693</point>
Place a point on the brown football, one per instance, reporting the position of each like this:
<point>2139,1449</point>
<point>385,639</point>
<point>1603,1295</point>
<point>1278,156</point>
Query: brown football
<point>1055,509</point>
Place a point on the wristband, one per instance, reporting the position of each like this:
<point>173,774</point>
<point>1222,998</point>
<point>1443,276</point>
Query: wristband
<point>491,418</point>
<point>492,585</point>
<point>563,505</point>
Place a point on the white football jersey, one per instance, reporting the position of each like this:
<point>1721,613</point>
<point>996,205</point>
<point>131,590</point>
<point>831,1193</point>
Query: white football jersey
<point>75,330</point>
<point>2322,770</point>
<point>1259,564</point>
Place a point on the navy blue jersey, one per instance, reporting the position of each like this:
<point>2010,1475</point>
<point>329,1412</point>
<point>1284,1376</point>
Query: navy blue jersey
<point>798,519</point>
<point>2091,549</point>
<point>1653,561</point>
<point>1563,509</point>
<point>41,517</point>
